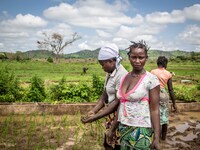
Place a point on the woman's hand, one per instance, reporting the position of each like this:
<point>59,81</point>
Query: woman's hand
<point>155,144</point>
<point>110,136</point>
<point>87,118</point>
<point>91,113</point>
<point>174,108</point>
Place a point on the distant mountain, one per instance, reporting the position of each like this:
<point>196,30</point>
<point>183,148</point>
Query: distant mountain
<point>153,54</point>
<point>39,54</point>
<point>85,54</point>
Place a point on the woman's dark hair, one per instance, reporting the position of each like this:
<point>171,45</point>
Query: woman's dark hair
<point>162,61</point>
<point>141,44</point>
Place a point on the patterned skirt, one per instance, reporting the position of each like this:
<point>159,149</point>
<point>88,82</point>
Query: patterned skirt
<point>164,104</point>
<point>116,138</point>
<point>135,138</point>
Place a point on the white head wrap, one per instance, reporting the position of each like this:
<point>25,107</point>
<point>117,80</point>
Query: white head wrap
<point>110,51</point>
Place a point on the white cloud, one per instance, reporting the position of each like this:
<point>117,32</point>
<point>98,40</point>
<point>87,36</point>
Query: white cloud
<point>91,14</point>
<point>84,45</point>
<point>26,21</point>
<point>100,22</point>
<point>164,17</point>
<point>1,45</point>
<point>134,32</point>
<point>138,20</point>
<point>103,34</point>
<point>191,35</point>
<point>121,42</point>
<point>14,35</point>
<point>176,16</point>
<point>192,12</point>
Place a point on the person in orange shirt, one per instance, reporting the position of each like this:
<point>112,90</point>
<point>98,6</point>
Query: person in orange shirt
<point>165,78</point>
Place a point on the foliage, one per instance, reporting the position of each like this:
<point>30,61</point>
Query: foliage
<point>36,92</point>
<point>78,93</point>
<point>88,87</point>
<point>3,56</point>
<point>186,93</point>
<point>57,91</point>
<point>81,92</point>
<point>50,59</point>
<point>198,86</point>
<point>97,85</point>
<point>10,89</point>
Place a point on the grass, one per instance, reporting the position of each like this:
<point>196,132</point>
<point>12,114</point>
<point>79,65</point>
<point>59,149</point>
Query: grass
<point>72,70</point>
<point>49,132</point>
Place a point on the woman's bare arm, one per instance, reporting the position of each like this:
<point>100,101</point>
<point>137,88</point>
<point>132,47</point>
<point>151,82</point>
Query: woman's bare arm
<point>154,96</point>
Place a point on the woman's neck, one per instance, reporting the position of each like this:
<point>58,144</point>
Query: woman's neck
<point>138,72</point>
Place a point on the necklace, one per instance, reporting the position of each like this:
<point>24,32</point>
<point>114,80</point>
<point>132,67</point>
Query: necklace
<point>137,75</point>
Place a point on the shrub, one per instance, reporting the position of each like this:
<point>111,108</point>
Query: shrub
<point>57,91</point>
<point>97,85</point>
<point>36,92</point>
<point>198,86</point>
<point>10,90</point>
<point>186,93</point>
<point>50,59</point>
<point>78,93</point>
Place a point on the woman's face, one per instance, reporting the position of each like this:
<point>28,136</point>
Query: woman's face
<point>107,65</point>
<point>137,58</point>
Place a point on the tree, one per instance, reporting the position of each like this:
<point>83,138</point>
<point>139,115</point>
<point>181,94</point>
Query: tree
<point>3,56</point>
<point>55,42</point>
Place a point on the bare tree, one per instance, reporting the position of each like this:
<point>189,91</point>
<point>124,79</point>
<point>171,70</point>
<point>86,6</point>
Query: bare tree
<point>55,42</point>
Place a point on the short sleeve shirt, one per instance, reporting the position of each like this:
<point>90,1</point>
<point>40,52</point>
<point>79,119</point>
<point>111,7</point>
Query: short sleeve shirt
<point>134,106</point>
<point>163,76</point>
<point>112,82</point>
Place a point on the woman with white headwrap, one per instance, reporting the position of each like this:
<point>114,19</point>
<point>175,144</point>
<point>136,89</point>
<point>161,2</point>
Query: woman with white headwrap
<point>110,61</point>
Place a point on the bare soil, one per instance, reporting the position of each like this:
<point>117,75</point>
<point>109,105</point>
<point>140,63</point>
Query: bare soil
<point>183,132</point>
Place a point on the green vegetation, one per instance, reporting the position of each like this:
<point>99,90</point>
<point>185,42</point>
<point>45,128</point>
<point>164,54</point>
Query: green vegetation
<point>41,81</point>
<point>36,93</point>
<point>10,90</point>
<point>49,132</point>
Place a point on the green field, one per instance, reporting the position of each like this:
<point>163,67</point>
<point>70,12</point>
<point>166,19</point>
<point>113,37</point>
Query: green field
<point>72,71</point>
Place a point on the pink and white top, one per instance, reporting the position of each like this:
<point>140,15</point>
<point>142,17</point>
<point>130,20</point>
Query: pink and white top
<point>134,106</point>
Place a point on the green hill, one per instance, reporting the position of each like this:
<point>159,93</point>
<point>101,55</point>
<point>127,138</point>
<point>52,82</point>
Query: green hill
<point>83,54</point>
<point>92,54</point>
<point>39,54</point>
<point>153,54</point>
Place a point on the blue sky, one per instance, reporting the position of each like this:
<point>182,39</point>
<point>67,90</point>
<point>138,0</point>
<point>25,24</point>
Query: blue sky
<point>165,25</point>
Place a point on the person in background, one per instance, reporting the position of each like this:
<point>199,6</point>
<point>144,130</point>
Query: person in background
<point>138,113</point>
<point>165,78</point>
<point>109,59</point>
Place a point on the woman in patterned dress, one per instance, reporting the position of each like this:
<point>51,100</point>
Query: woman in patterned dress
<point>110,61</point>
<point>165,78</point>
<point>138,113</point>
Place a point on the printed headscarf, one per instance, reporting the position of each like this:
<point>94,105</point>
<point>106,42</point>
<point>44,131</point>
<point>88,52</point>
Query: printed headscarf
<point>110,51</point>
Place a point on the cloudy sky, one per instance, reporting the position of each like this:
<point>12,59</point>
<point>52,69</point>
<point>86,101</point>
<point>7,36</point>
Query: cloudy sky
<point>163,24</point>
